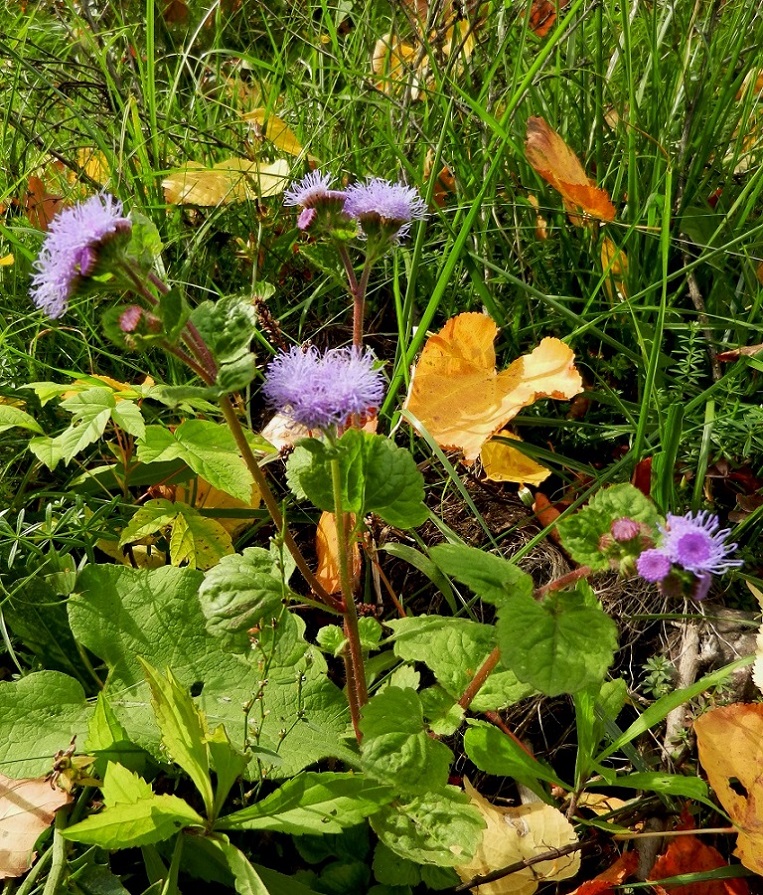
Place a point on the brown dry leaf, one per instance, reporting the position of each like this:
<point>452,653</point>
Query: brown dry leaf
<point>624,867</point>
<point>541,224</point>
<point>730,742</point>
<point>688,854</point>
<point>27,807</point>
<point>328,560</point>
<point>274,129</point>
<point>40,205</point>
<point>614,263</point>
<point>461,399</point>
<point>557,164</point>
<point>542,17</point>
<point>445,184</point>
<point>201,495</point>
<point>503,463</point>
<point>393,62</point>
<point>232,180</point>
<point>515,834</point>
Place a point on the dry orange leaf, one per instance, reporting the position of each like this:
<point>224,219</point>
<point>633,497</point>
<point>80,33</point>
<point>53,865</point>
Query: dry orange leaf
<point>393,62</point>
<point>504,463</point>
<point>232,180</point>
<point>515,834</point>
<point>542,17</point>
<point>557,164</point>
<point>688,854</point>
<point>326,546</point>
<point>541,224</point>
<point>730,742</point>
<point>27,807</point>
<point>614,263</point>
<point>40,205</point>
<point>624,867</point>
<point>461,399</point>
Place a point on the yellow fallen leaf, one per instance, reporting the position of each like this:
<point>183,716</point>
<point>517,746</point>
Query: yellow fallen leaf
<point>614,263</point>
<point>461,399</point>
<point>757,668</point>
<point>232,180</point>
<point>27,807</point>
<point>7,260</point>
<point>328,559</point>
<point>515,834</point>
<point>504,463</point>
<point>140,556</point>
<point>93,163</point>
<point>201,495</point>
<point>275,130</point>
<point>394,63</point>
<point>730,743</point>
<point>556,163</point>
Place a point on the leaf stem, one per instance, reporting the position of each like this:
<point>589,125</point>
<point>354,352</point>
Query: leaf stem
<point>272,506</point>
<point>58,864</point>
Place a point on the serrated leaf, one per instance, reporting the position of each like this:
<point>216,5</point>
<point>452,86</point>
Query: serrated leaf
<point>208,448</point>
<point>11,416</point>
<point>239,593</point>
<point>183,728</point>
<point>490,577</point>
<point>559,645</point>
<point>320,803</point>
<point>396,748</point>
<point>173,310</point>
<point>581,534</point>
<point>134,815</point>
<point>228,762</point>
<point>227,326</point>
<point>145,243</point>
<point>120,613</point>
<point>437,828</point>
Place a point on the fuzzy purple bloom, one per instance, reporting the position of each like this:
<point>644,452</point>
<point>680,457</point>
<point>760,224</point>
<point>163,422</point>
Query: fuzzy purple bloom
<point>395,205</point>
<point>625,529</point>
<point>71,250</point>
<point>323,390</point>
<point>695,543</point>
<point>653,565</point>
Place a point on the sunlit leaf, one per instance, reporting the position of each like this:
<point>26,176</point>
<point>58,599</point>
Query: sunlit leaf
<point>275,130</point>
<point>504,463</point>
<point>327,550</point>
<point>232,180</point>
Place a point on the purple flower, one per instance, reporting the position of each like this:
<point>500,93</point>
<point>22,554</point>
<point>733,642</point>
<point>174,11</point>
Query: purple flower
<point>323,390</point>
<point>393,206</point>
<point>313,192</point>
<point>694,542</point>
<point>70,251</point>
<point>653,565</point>
<point>625,529</point>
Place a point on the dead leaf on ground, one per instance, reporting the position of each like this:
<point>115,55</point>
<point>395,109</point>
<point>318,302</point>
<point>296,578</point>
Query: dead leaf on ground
<point>623,868</point>
<point>504,463</point>
<point>614,263</point>
<point>515,834</point>
<point>461,399</point>
<point>199,494</point>
<point>543,15</point>
<point>40,205</point>
<point>688,854</point>
<point>232,180</point>
<point>730,743</point>
<point>735,353</point>
<point>326,547</point>
<point>27,807</point>
<point>557,164</point>
<point>274,129</point>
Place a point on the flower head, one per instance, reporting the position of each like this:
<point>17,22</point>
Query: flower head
<point>323,390</point>
<point>71,250</point>
<point>653,565</point>
<point>382,205</point>
<point>625,529</point>
<point>694,542</point>
<point>312,193</point>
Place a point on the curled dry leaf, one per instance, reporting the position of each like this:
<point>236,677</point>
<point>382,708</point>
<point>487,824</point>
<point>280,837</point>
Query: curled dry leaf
<point>730,742</point>
<point>516,834</point>
<point>625,866</point>
<point>688,854</point>
<point>326,547</point>
<point>504,463</point>
<point>27,807</point>
<point>460,398</point>
<point>232,180</point>
<point>557,164</point>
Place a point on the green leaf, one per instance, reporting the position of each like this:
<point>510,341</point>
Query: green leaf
<point>208,448</point>
<point>245,878</point>
<point>495,753</point>
<point>39,715</point>
<point>559,645</point>
<point>107,737</point>
<point>11,416</point>
<point>453,649</point>
<point>145,243</point>
<point>396,748</point>
<point>392,870</point>
<point>183,728</point>
<point>236,375</point>
<point>134,815</point>
<point>493,579</point>
<point>313,803</point>
<point>425,565</point>
<point>173,310</point>
<point>120,613</point>
<point>437,828</point>
<point>581,534</point>
<point>229,764</point>
<point>444,715</point>
<point>376,477</point>
<point>239,593</point>
<point>665,784</point>
<point>227,326</point>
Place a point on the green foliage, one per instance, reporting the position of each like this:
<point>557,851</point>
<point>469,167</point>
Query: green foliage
<point>375,476</point>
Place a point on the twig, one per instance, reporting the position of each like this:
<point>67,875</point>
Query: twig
<point>521,865</point>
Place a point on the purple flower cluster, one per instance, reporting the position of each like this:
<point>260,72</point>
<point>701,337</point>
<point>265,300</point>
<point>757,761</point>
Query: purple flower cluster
<point>321,391</point>
<point>374,204</point>
<point>70,251</point>
<point>692,543</point>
